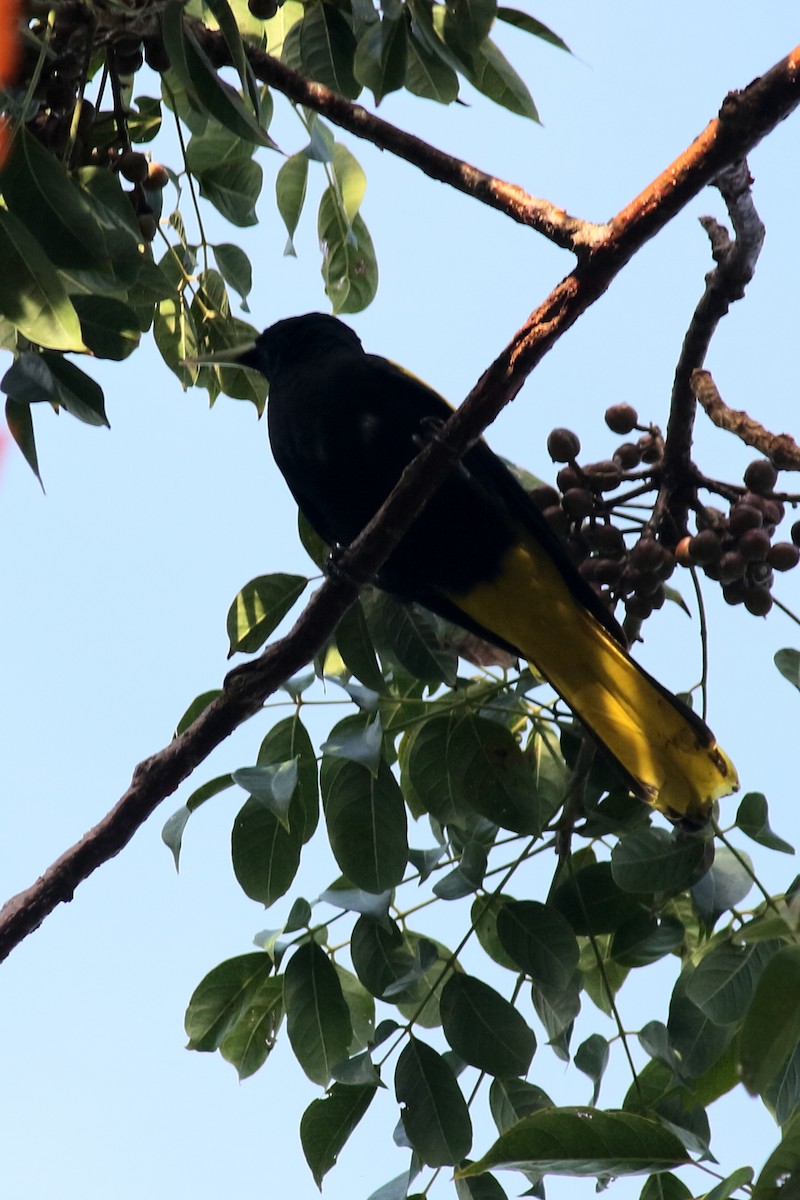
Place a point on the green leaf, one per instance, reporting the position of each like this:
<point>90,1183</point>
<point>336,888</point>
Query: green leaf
<point>327,46</point>
<point>274,786</point>
<point>727,881</point>
<point>235,268</point>
<point>584,1141</point>
<point>788,663</point>
<point>176,337</point>
<point>592,902</point>
<point>20,424</point>
<point>248,1044</point>
<point>653,860</point>
<point>485,1029</point>
<point>467,877</point>
<point>350,180</point>
<point>591,1057</point>
<point>40,193</point>
<point>229,28</point>
<point>467,23</point>
<point>110,328</point>
<point>361,1006</point>
<point>32,295</point>
<point>407,635</point>
<point>645,938</point>
<point>529,24</point>
<point>265,854</point>
<point>290,193</point>
<point>222,998</point>
<point>327,1124</point>
<point>752,818</point>
<point>484,1187</point>
<point>512,1099</point>
<point>359,739</point>
<point>540,941</point>
<point>724,981</point>
<point>289,740</point>
<point>233,190</point>
<point>366,820</point>
<point>172,832</point>
<point>34,378</point>
<point>771,1029</point>
<point>493,75</point>
<point>317,1017</point>
<point>259,607</point>
<point>488,768</point>
<point>197,706</point>
<point>349,266</point>
<point>354,643</point>
<point>202,83</point>
<point>697,1040</point>
<point>380,60</point>
<point>665,1187</point>
<point>780,1175</point>
<point>484,915</point>
<point>427,76</point>
<point>435,1115</point>
<point>732,1183</point>
<point>380,954</point>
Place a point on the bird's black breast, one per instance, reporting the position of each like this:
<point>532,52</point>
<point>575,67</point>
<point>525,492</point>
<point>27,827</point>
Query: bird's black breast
<point>342,431</point>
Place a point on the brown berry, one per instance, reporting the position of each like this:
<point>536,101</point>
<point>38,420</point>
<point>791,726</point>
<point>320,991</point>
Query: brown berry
<point>568,478</point>
<point>783,556</point>
<point>652,448</point>
<point>147,225</point>
<point>795,533</point>
<point>638,607</point>
<point>157,177</point>
<point>758,601</point>
<point>155,55</point>
<point>621,418</point>
<point>705,547</point>
<point>606,540</point>
<point>558,520</point>
<point>628,456</point>
<point>745,516</point>
<point>133,166</point>
<point>263,9</point>
<point>603,476</point>
<point>732,566</point>
<point>734,592</point>
<point>760,476</point>
<point>682,552</point>
<point>647,554</point>
<point>754,545</point>
<point>577,503</point>
<point>545,496</point>
<point>563,445</point>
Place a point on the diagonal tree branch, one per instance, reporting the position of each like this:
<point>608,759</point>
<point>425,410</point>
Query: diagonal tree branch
<point>570,233</point>
<point>745,119</point>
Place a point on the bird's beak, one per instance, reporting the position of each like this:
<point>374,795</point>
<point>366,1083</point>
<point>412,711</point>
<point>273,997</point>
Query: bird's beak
<point>228,356</point>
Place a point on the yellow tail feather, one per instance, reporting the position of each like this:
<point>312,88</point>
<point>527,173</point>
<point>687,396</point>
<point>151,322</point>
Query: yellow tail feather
<point>673,761</point>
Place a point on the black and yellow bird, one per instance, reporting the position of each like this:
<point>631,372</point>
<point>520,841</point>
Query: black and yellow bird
<point>343,424</point>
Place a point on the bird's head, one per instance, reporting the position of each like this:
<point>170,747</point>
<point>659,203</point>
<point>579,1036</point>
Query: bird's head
<point>286,344</point>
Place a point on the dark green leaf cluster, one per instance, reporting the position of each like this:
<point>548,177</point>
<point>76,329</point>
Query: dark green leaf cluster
<point>76,243</point>
<point>472,770</point>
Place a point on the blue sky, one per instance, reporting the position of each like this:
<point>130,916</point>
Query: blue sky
<point>112,613</point>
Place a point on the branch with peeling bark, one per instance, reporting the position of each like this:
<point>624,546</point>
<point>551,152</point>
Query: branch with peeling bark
<point>780,448</point>
<point>745,119</point>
